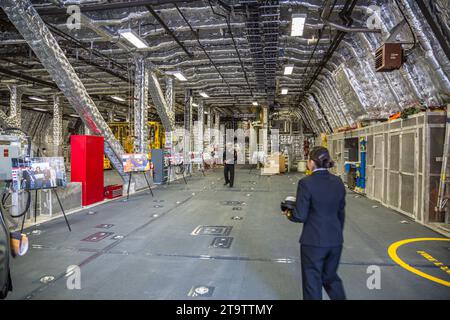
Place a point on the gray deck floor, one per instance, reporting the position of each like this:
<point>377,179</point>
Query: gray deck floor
<point>159,258</point>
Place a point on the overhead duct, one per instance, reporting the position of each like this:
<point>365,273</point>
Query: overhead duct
<point>4,119</point>
<point>350,92</point>
<point>27,21</point>
<point>427,45</point>
<point>342,28</point>
<point>326,120</point>
<point>325,106</point>
<point>340,104</point>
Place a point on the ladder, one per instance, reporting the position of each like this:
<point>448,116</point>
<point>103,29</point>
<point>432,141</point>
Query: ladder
<point>443,204</point>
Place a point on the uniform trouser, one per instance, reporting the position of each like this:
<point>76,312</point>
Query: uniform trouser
<point>228,172</point>
<point>319,269</point>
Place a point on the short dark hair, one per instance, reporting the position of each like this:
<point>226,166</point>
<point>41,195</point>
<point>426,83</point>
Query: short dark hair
<point>321,157</point>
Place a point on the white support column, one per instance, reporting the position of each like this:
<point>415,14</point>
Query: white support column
<point>187,125</point>
<point>111,114</point>
<point>209,118</point>
<point>218,141</point>
<point>216,126</point>
<point>57,126</point>
<point>15,106</point>
<point>141,106</point>
<point>221,140</point>
<point>86,130</point>
<point>208,131</point>
<point>265,125</point>
<point>201,120</point>
<point>170,97</point>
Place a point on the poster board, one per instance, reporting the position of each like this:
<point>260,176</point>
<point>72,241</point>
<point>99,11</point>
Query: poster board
<point>38,173</point>
<point>135,162</point>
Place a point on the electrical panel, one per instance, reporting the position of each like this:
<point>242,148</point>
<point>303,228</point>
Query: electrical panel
<point>160,166</point>
<point>10,147</point>
<point>351,149</point>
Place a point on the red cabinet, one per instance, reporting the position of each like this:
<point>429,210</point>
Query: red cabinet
<point>86,162</point>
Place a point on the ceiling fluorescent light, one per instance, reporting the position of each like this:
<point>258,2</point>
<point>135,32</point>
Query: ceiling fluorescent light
<point>204,95</point>
<point>284,91</point>
<point>37,99</point>
<point>118,98</point>
<point>39,109</point>
<point>194,104</point>
<point>288,69</point>
<point>132,38</point>
<point>179,76</point>
<point>298,25</point>
<point>74,115</point>
<point>255,103</point>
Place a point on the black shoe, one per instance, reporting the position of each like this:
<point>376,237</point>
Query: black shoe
<point>226,183</point>
<point>231,186</point>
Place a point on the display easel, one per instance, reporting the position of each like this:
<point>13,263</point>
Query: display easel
<point>203,169</point>
<point>182,172</point>
<point>35,210</point>
<point>129,183</point>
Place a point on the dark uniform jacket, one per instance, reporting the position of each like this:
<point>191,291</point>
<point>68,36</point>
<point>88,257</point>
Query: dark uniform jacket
<point>320,205</point>
<point>229,156</point>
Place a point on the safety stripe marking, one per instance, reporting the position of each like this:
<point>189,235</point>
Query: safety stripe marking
<point>392,251</point>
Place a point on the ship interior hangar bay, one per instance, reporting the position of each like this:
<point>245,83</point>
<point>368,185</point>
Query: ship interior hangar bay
<point>116,117</point>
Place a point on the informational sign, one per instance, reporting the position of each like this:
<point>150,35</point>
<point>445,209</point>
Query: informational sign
<point>135,162</point>
<point>38,173</point>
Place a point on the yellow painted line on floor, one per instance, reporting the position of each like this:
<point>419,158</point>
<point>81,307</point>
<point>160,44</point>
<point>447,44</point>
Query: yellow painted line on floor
<point>392,251</point>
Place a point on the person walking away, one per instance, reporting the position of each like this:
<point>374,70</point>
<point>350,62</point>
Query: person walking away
<point>229,159</point>
<point>320,206</point>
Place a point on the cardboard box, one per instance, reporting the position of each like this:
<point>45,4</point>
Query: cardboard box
<point>270,171</point>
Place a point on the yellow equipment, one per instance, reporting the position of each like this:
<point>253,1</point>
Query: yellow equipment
<point>156,136</point>
<point>123,133</point>
<point>324,140</point>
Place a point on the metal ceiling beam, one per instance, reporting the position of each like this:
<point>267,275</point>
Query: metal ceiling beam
<point>435,27</point>
<point>345,15</point>
<point>197,37</point>
<point>82,46</point>
<point>169,31</point>
<point>110,6</point>
<point>22,76</point>
<point>100,67</point>
<point>235,46</point>
<point>34,30</point>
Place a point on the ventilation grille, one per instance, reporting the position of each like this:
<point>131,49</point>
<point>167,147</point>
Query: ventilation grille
<point>389,57</point>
